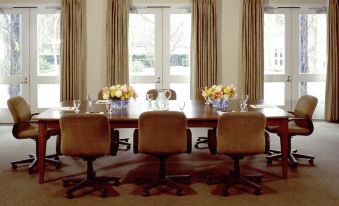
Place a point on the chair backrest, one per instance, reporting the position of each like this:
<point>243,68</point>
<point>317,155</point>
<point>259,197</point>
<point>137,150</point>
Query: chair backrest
<point>85,135</point>
<point>19,109</point>
<point>155,94</point>
<point>305,106</point>
<point>162,132</point>
<point>241,133</point>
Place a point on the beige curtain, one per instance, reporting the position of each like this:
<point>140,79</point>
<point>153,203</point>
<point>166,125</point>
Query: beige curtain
<point>253,47</point>
<point>72,49</point>
<point>332,83</point>
<point>204,45</point>
<point>117,41</point>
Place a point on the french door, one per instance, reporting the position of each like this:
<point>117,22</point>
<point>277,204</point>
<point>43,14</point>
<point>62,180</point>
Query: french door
<point>159,50</point>
<point>295,56</point>
<point>29,61</point>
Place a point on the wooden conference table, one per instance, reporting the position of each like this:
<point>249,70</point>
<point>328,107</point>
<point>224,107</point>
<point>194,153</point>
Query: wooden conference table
<point>198,115</point>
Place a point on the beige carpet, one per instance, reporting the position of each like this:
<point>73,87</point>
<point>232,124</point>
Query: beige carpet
<point>307,185</point>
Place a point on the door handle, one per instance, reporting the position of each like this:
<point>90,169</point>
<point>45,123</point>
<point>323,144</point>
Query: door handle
<point>25,81</point>
<point>158,80</point>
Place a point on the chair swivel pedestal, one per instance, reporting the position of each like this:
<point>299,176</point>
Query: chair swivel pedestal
<point>33,160</point>
<point>169,180</point>
<point>89,181</point>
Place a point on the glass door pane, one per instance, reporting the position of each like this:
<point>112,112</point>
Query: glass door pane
<point>13,58</point>
<point>277,86</point>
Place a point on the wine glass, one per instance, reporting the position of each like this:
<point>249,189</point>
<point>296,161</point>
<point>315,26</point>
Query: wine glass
<point>149,98</point>
<point>181,105</point>
<point>207,100</point>
<point>89,99</point>
<point>76,104</point>
<point>109,106</point>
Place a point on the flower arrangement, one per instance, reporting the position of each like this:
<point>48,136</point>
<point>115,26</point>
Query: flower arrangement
<point>118,92</point>
<point>219,92</point>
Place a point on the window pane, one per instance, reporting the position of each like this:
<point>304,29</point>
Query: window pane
<point>312,46</point>
<point>182,90</point>
<point>48,44</point>
<point>274,93</point>
<point>274,43</point>
<point>141,90</point>
<point>316,89</point>
<point>141,42</point>
<point>7,91</point>
<point>180,42</point>
<point>48,95</point>
<point>10,44</point>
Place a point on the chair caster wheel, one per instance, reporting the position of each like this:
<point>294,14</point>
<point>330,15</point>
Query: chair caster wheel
<point>14,166</point>
<point>180,192</point>
<point>196,146</point>
<point>225,193</point>
<point>57,158</point>
<point>104,194</point>
<point>128,147</point>
<point>310,161</point>
<point>257,192</point>
<point>70,195</point>
<point>145,193</point>
<point>30,171</point>
<point>65,184</point>
<point>116,183</point>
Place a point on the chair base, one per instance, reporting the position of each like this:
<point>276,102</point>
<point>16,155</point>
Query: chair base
<point>201,140</point>
<point>33,160</point>
<point>89,181</point>
<point>94,182</point>
<point>235,178</point>
<point>291,156</point>
<point>124,141</point>
<point>169,180</point>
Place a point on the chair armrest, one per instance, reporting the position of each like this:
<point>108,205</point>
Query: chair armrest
<point>114,142</point>
<point>135,141</point>
<point>303,122</point>
<point>189,141</point>
<point>212,141</point>
<point>34,114</point>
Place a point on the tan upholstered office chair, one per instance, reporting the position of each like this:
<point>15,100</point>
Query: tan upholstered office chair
<point>155,94</point>
<point>239,134</point>
<point>120,141</point>
<point>87,136</point>
<point>300,124</point>
<point>161,134</point>
<point>25,128</point>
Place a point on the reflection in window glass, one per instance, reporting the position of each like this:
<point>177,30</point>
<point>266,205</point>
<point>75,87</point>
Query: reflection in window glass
<point>274,43</point>
<point>141,42</point>
<point>48,95</point>
<point>48,44</point>
<point>312,47</point>
<point>313,88</point>
<point>7,91</point>
<point>274,93</point>
<point>10,44</point>
<point>180,42</point>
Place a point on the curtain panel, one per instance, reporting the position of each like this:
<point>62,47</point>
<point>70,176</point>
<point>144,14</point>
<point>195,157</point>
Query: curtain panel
<point>117,41</point>
<point>332,82</point>
<point>253,48</point>
<point>72,49</point>
<point>204,45</point>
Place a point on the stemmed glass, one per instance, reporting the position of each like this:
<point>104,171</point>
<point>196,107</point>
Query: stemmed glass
<point>149,98</point>
<point>109,106</point>
<point>89,99</point>
<point>181,105</point>
<point>76,104</point>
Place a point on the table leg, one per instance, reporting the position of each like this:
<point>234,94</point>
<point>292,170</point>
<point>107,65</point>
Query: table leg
<point>284,147</point>
<point>42,151</point>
